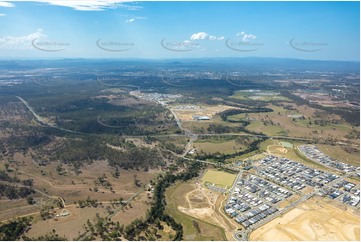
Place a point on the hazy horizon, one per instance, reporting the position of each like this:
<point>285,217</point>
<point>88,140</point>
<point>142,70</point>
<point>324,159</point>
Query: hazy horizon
<point>175,30</point>
<point>161,59</point>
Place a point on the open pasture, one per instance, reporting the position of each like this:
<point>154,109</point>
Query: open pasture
<point>220,178</point>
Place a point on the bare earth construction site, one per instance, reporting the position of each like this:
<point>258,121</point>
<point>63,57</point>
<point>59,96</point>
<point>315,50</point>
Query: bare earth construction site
<point>312,220</point>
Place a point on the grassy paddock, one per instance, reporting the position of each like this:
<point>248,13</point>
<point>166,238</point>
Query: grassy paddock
<point>227,147</point>
<point>287,144</point>
<point>219,178</point>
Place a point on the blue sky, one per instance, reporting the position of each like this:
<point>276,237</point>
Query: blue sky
<point>118,29</point>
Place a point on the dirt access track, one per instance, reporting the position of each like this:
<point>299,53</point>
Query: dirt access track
<point>312,220</point>
<point>207,206</point>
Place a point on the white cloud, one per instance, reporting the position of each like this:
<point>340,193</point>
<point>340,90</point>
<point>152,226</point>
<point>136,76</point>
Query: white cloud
<point>6,4</point>
<point>211,37</point>
<point>87,5</point>
<point>20,42</point>
<point>246,37</point>
<point>130,7</point>
<point>240,33</point>
<point>132,19</point>
<point>205,36</point>
<point>2,14</point>
<point>200,35</point>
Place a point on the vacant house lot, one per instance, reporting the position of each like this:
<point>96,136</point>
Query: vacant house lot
<point>312,220</point>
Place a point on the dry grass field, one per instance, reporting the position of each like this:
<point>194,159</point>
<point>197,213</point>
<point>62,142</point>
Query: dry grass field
<point>15,208</point>
<point>271,130</point>
<point>312,220</point>
<point>74,187</point>
<point>197,126</point>
<point>282,122</point>
<point>219,178</point>
<point>261,95</point>
<point>225,147</point>
<point>70,226</point>
<point>339,153</point>
<point>137,210</point>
